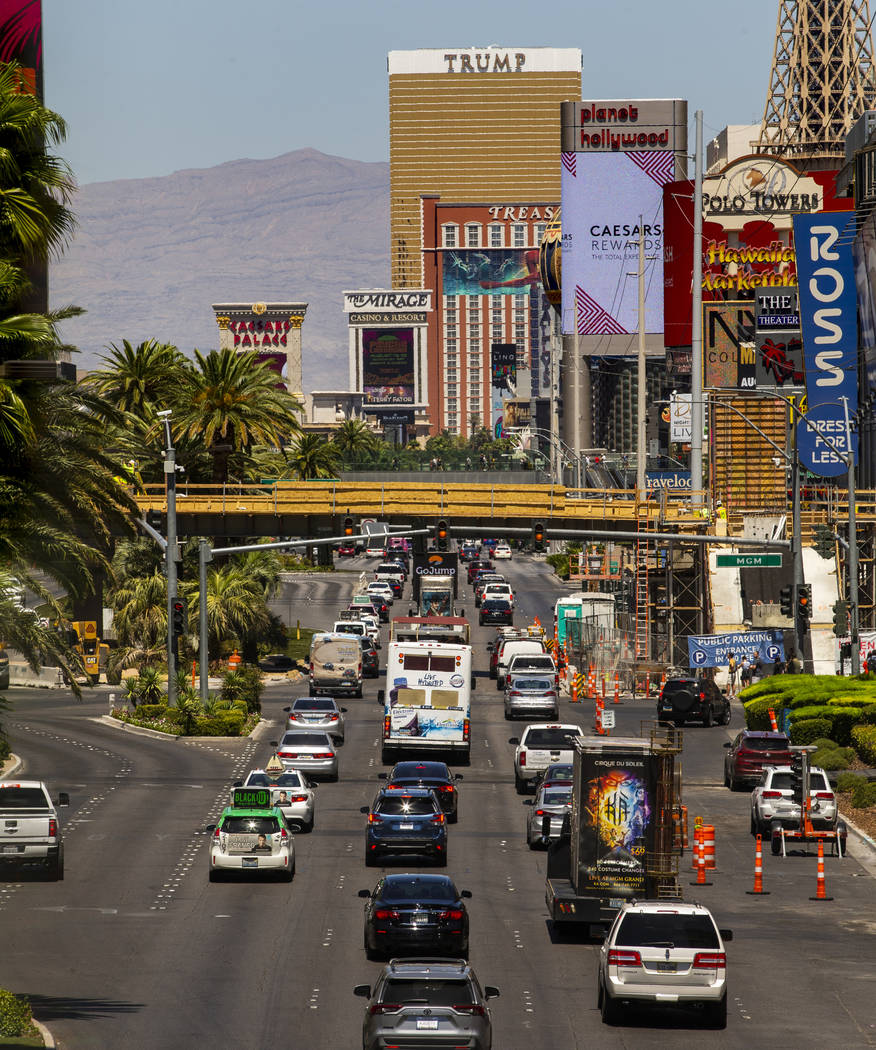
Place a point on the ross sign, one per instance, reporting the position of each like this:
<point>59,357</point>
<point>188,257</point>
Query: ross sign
<point>388,366</point>
<point>712,650</point>
<point>383,300</point>
<point>814,430</point>
<point>748,561</point>
<point>251,798</point>
<point>828,312</point>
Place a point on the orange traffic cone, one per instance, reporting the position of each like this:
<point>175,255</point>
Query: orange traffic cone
<point>821,892</point>
<point>773,724</point>
<point>616,688</point>
<point>758,871</point>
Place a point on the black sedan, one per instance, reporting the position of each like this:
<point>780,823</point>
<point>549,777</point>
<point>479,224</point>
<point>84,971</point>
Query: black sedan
<point>434,775</point>
<point>370,659</point>
<point>496,611</point>
<point>416,913</point>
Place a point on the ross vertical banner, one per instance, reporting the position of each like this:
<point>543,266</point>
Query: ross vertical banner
<point>829,322</point>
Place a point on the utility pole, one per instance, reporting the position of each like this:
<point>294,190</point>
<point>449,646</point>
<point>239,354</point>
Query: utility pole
<point>801,626</point>
<point>170,555</point>
<point>696,366</point>
<point>854,619</point>
<point>205,555</point>
<point>642,373</point>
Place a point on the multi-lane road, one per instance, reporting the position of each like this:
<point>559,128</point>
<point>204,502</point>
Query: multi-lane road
<point>137,950</point>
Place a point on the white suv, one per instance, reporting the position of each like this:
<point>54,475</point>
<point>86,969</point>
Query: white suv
<point>542,745</point>
<point>772,801</point>
<point>664,953</point>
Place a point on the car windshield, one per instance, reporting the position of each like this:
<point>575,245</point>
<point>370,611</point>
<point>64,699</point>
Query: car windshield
<point>559,772</point>
<point>305,740</point>
<point>666,930</point>
<point>250,825</point>
<point>23,798</point>
<point>313,705</point>
<point>435,991</point>
<point>413,889</point>
<point>551,739</point>
<point>556,798</point>
<point>765,743</point>
<point>404,807</point>
<point>532,685</point>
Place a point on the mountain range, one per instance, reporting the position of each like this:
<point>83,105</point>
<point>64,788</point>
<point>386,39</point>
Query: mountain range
<point>151,256</point>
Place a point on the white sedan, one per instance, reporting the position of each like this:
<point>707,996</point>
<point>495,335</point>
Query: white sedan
<point>382,590</point>
<point>502,550</point>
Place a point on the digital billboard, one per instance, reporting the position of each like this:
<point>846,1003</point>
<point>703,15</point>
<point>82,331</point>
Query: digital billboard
<point>502,271</point>
<point>603,196</point>
<point>503,382</point>
<point>388,366</point>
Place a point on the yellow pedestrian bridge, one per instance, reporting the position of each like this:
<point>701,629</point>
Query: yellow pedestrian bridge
<point>296,507</point>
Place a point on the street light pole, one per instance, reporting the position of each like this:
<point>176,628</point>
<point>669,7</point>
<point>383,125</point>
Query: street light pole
<point>170,555</point>
<point>696,361</point>
<point>854,618</point>
<point>796,539</point>
<point>642,373</point>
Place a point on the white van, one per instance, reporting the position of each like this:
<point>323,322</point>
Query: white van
<point>512,649</point>
<point>335,664</point>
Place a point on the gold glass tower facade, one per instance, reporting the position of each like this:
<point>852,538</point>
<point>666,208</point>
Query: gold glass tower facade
<point>473,125</point>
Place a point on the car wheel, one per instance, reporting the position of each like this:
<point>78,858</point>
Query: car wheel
<point>289,875</point>
<point>726,778</point>
<point>453,818</point>
<point>519,785</point>
<point>709,718</point>
<point>610,1009</point>
<point>717,1013</point>
<point>55,868</point>
<point>532,843</point>
<point>371,860</point>
<point>734,784</point>
<point>441,860</point>
<point>214,875</point>
<point>728,713</point>
<point>372,954</point>
<point>776,841</point>
<point>387,756</point>
<point>308,827</point>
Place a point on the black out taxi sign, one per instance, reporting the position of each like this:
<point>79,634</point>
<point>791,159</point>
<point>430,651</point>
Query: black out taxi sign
<point>251,798</point>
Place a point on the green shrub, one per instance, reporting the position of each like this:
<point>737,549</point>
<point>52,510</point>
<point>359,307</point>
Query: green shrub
<point>240,705</point>
<point>152,711</point>
<point>825,742</point>
<point>864,742</point>
<point>864,795</point>
<point>844,722</point>
<point>815,711</point>
<point>833,758</point>
<point>15,1015</point>
<point>246,683</point>
<point>230,722</point>
<point>808,730</point>
<point>757,713</point>
<point>765,687</point>
<point>846,782</point>
<point>868,714</point>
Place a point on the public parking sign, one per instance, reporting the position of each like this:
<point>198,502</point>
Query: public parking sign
<point>712,650</point>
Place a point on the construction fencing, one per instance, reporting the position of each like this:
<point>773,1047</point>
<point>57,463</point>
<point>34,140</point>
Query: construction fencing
<point>610,651</point>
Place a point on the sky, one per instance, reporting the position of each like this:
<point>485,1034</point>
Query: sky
<point>149,88</point>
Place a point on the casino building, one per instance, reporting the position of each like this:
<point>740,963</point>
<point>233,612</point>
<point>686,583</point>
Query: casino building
<point>474,181</point>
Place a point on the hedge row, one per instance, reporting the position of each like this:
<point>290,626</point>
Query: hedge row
<point>864,742</point>
<point>15,1016</point>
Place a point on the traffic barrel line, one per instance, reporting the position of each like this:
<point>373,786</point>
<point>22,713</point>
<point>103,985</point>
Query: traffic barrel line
<point>821,891</point>
<point>758,870</point>
<point>616,688</point>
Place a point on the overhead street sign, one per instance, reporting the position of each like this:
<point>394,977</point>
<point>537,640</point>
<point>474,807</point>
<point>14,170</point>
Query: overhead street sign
<point>748,561</point>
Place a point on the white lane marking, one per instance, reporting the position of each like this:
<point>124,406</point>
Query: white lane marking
<point>329,933</point>
<point>314,999</point>
<point>527,1001</point>
<point>508,885</point>
<point>517,941</point>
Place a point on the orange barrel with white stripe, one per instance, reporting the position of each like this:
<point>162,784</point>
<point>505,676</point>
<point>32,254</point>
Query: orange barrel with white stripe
<point>708,845</point>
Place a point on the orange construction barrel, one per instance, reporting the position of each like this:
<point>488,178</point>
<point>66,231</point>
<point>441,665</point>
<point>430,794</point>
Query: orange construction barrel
<point>708,845</point>
<point>234,661</point>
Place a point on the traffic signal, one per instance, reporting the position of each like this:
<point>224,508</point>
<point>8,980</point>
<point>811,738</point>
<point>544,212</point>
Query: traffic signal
<point>824,541</point>
<point>538,536</point>
<point>841,618</point>
<point>786,597</point>
<point>798,759</point>
<point>156,519</point>
<point>348,526</point>
<point>442,535</point>
<point>179,618</point>
<point>804,601</point>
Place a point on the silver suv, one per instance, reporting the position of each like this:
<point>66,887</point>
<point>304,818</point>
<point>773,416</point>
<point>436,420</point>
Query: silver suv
<point>664,953</point>
<point>422,1003</point>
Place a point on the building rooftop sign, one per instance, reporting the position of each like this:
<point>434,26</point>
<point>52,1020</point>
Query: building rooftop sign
<point>484,60</point>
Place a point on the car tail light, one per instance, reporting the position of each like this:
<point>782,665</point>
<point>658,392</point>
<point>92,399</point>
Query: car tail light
<point>702,696</point>
<point>515,692</point>
<point>449,787</point>
<point>323,754</point>
<point>826,795</point>
<point>298,798</point>
<point>710,961</point>
<point>771,794</point>
<point>452,913</point>
<point>385,913</point>
<point>438,818</point>
<point>287,754</point>
<point>334,718</point>
<point>469,1008</point>
<point>623,957</point>
<point>373,818</point>
<point>284,834</point>
<point>466,729</point>
<point>53,827</point>
<point>539,812</point>
<point>216,833</point>
<point>384,1008</point>
<point>522,758</point>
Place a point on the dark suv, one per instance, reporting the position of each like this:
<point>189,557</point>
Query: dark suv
<point>422,1003</point>
<point>750,752</point>
<point>409,822</point>
<point>688,699</point>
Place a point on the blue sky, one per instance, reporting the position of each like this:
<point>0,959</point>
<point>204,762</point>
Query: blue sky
<point>151,87</point>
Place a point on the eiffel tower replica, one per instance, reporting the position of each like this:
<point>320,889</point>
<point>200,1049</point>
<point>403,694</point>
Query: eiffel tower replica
<point>822,81</point>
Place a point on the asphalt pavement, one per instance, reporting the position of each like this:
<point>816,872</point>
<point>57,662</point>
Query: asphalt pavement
<point>136,949</point>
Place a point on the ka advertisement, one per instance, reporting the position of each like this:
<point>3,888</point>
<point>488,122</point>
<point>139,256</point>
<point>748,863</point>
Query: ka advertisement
<point>504,271</point>
<point>388,366</point>
<point>713,650</point>
<point>829,322</point>
<point>603,197</point>
<point>616,820</point>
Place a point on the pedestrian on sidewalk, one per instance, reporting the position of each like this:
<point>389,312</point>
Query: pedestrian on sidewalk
<point>731,669</point>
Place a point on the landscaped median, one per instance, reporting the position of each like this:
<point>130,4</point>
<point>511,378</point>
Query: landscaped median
<point>17,1027</point>
<point>835,714</point>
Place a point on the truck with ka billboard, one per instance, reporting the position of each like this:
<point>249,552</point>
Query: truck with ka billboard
<point>618,842</point>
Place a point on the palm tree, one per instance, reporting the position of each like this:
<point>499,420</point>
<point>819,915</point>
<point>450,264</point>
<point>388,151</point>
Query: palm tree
<point>236,607</point>
<point>32,636</point>
<point>313,457</point>
<point>139,379</point>
<point>231,402</point>
<point>354,440</point>
<point>139,606</point>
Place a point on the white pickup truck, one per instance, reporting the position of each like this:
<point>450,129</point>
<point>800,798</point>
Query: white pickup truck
<point>30,830</point>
